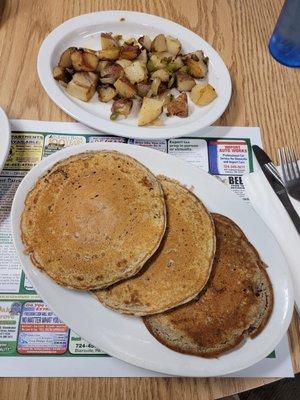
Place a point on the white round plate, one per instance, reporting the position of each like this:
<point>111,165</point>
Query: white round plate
<point>126,337</point>
<point>4,138</point>
<point>84,31</point>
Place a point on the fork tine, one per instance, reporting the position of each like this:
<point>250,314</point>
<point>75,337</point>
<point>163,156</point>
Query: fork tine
<point>283,164</point>
<point>288,165</point>
<point>295,163</point>
<point>291,163</point>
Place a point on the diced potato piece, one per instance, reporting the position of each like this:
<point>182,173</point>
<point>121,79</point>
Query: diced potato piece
<point>84,61</point>
<point>143,58</point>
<point>83,85</point>
<point>185,82</point>
<point>121,107</point>
<point>143,88</point>
<point>136,72</point>
<point>155,62</point>
<point>162,74</point>
<point>159,43</point>
<point>102,66</point>
<point>85,79</point>
<point>124,63</point>
<point>107,41</point>
<point>125,88</point>
<point>196,68</point>
<point>154,87</point>
<point>90,61</point>
<point>110,54</point>
<point>202,95</point>
<point>173,45</point>
<point>195,55</point>
<point>82,93</point>
<point>145,42</point>
<point>150,110</point>
<point>119,39</point>
<point>178,61</point>
<point>129,52</point>
<point>65,59</point>
<point>178,106</point>
<point>58,73</point>
<point>166,98</point>
<point>106,93</point>
<point>111,73</point>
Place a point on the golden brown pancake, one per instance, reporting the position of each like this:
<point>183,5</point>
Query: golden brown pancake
<point>93,219</point>
<point>181,266</point>
<point>237,302</point>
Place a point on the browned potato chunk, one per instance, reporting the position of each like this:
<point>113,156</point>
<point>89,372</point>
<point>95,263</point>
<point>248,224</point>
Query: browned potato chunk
<point>129,52</point>
<point>82,93</point>
<point>62,75</point>
<point>125,88</point>
<point>85,79</point>
<point>136,72</point>
<point>111,73</point>
<point>121,107</point>
<point>83,85</point>
<point>145,42</point>
<point>58,73</point>
<point>185,82</point>
<point>102,66</point>
<point>143,88</point>
<point>162,74</point>
<point>196,68</point>
<point>173,45</point>
<point>84,61</point>
<point>107,41</point>
<point>178,106</point>
<point>165,97</point>
<point>159,43</point>
<point>143,57</point>
<point>196,55</point>
<point>124,63</point>
<point>150,110</point>
<point>110,54</point>
<point>106,93</point>
<point>65,59</point>
<point>202,95</point>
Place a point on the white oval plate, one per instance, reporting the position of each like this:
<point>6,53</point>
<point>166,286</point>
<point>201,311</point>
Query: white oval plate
<point>126,337</point>
<point>84,31</point>
<point>4,138</point>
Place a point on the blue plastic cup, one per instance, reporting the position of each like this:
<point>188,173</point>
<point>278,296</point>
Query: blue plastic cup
<point>284,44</point>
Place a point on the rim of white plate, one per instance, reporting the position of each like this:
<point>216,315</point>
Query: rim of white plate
<point>44,63</point>
<point>5,137</point>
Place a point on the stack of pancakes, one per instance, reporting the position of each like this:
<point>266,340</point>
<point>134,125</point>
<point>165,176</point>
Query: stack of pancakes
<point>147,246</point>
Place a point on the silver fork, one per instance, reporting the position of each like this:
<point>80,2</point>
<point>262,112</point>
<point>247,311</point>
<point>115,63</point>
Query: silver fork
<point>290,171</point>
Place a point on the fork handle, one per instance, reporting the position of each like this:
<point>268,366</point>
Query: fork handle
<point>285,200</point>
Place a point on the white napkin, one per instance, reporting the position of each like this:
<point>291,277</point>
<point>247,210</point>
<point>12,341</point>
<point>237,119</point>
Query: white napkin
<point>270,209</point>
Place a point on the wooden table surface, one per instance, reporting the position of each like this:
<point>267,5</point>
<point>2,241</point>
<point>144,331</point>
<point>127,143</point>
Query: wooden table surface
<point>265,94</point>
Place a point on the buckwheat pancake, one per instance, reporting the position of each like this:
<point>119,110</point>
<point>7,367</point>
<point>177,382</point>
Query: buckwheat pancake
<point>237,303</point>
<point>182,265</point>
<point>93,219</point>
